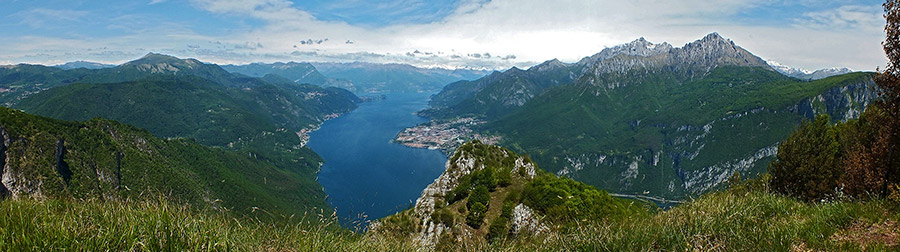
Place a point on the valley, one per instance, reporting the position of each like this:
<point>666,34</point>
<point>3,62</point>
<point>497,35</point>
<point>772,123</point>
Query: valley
<point>648,119</point>
<point>285,125</point>
<point>364,174</point>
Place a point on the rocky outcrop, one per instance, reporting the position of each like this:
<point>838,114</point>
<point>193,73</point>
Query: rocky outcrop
<point>15,180</point>
<point>4,145</point>
<point>843,103</point>
<point>466,161</point>
<point>639,47</point>
<point>61,166</point>
<point>525,221</point>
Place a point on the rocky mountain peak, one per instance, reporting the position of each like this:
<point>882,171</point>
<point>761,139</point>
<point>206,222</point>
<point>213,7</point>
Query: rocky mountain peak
<point>548,65</point>
<point>161,63</point>
<point>713,50</point>
<point>638,47</point>
<point>693,60</point>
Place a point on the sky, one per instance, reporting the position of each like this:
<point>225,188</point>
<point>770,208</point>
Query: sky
<point>479,34</point>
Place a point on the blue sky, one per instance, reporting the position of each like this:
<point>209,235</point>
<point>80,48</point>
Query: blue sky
<point>442,33</point>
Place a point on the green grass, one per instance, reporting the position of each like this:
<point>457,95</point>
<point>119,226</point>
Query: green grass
<point>727,222</point>
<point>735,220</point>
<point>155,225</point>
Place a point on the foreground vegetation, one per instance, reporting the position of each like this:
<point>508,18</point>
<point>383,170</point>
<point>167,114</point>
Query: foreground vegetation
<point>744,218</point>
<point>157,225</point>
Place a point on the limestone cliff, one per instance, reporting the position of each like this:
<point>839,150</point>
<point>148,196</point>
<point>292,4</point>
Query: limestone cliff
<point>436,218</point>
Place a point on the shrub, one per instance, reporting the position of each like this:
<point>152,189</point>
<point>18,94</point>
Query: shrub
<point>476,215</point>
<point>479,195</point>
<point>808,163</point>
<point>507,209</point>
<point>504,177</point>
<point>443,217</point>
<point>566,199</point>
<point>498,228</point>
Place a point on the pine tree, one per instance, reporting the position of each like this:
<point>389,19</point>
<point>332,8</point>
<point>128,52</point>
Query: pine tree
<point>808,163</point>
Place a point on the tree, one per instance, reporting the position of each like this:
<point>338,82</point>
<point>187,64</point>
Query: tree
<point>874,168</point>
<point>476,215</point>
<point>498,228</point>
<point>808,163</point>
<point>479,195</point>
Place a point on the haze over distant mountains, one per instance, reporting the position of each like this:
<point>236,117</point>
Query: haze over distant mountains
<point>362,77</point>
<point>807,74</point>
<point>83,64</point>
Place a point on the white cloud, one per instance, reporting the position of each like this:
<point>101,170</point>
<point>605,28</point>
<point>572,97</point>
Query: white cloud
<point>850,17</point>
<point>36,18</point>
<point>532,30</point>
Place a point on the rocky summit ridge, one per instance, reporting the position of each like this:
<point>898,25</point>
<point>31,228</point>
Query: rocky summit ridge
<point>693,60</point>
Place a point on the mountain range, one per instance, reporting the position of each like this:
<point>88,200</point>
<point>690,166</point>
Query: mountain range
<point>20,81</point>
<point>83,64</point>
<point>361,77</point>
<point>651,119</point>
<point>644,121</point>
<point>217,139</point>
<point>806,74</point>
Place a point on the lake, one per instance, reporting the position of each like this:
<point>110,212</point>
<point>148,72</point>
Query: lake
<point>365,176</point>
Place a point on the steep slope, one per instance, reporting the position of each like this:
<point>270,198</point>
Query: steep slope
<point>669,122</point>
<point>676,140</point>
<point>499,93</point>
<point>502,92</point>
<point>102,159</point>
<point>489,192</point>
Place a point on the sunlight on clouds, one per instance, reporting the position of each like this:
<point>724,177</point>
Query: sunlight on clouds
<point>532,30</point>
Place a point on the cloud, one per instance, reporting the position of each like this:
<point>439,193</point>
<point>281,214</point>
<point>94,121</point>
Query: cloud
<point>313,42</point>
<point>850,17</point>
<point>36,18</point>
<point>499,34</point>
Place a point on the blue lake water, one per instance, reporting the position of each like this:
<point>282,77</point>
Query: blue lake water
<point>364,174</point>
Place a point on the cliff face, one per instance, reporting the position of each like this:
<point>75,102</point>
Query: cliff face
<point>694,158</point>
<point>434,219</point>
<point>4,143</point>
<point>464,163</point>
